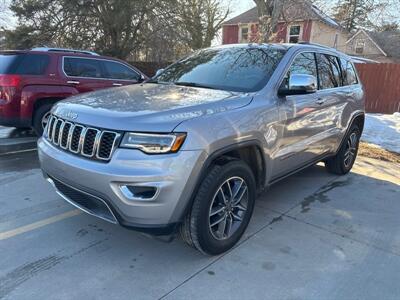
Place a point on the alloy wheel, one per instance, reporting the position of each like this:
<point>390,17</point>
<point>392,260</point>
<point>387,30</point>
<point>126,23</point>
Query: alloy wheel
<point>351,149</point>
<point>228,208</point>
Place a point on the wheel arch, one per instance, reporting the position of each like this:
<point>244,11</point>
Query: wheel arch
<point>44,101</point>
<point>249,151</point>
<point>359,120</point>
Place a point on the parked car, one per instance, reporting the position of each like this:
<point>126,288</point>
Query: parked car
<point>32,81</point>
<point>190,149</point>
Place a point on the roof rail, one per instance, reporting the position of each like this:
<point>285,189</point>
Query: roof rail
<point>65,50</point>
<point>315,44</point>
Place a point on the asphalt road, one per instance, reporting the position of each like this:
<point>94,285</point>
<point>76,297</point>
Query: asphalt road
<point>313,236</point>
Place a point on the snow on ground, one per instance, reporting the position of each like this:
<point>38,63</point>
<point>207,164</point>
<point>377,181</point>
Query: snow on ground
<point>383,131</point>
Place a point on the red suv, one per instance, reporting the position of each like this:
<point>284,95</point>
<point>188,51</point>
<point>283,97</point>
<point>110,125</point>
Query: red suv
<point>32,81</point>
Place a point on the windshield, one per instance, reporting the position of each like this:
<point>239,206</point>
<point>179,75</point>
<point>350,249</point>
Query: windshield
<point>239,69</point>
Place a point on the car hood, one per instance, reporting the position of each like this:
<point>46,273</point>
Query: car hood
<point>147,107</point>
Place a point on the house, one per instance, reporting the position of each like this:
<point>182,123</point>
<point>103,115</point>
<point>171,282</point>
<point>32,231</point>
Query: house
<point>379,46</point>
<point>301,21</point>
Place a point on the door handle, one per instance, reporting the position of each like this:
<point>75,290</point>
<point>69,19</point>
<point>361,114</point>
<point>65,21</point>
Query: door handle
<point>320,101</point>
<point>72,82</point>
<point>117,84</point>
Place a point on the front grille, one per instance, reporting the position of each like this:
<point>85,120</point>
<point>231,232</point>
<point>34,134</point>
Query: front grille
<point>89,142</point>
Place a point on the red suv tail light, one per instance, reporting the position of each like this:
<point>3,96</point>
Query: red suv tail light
<point>10,80</point>
<point>8,87</point>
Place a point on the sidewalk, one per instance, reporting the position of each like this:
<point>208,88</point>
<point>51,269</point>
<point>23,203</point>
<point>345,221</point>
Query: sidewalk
<point>13,139</point>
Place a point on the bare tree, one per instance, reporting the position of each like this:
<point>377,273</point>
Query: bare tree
<point>200,20</point>
<point>269,12</point>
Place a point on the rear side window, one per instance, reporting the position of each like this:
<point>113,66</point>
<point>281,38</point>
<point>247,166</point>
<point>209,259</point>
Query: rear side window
<point>8,62</point>
<point>119,71</point>
<point>82,67</point>
<point>304,63</point>
<point>328,71</point>
<point>24,64</point>
<point>33,64</point>
<point>349,76</point>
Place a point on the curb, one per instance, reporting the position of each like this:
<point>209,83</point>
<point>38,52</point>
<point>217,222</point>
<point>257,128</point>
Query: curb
<point>17,144</point>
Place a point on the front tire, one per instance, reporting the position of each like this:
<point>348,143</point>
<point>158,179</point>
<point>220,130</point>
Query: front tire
<point>344,160</point>
<point>222,208</point>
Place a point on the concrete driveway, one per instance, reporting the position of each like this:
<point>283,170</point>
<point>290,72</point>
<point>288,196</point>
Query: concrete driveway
<point>313,236</point>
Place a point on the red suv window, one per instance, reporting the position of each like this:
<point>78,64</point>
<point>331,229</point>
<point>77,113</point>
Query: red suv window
<point>82,67</point>
<point>23,63</point>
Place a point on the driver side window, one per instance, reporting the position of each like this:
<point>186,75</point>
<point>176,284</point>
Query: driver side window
<point>304,63</point>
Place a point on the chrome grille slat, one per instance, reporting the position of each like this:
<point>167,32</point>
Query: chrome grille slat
<point>78,139</point>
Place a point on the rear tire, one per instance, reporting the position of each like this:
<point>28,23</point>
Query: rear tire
<point>222,208</point>
<point>39,118</point>
<point>344,160</point>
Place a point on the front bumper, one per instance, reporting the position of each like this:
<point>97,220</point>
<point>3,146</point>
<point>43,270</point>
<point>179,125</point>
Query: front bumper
<point>174,175</point>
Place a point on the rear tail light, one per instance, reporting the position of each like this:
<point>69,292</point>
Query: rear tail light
<point>10,80</point>
<point>8,87</point>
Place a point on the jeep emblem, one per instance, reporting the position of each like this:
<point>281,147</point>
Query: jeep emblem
<point>68,114</point>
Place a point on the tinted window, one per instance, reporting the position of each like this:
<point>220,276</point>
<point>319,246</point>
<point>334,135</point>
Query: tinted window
<point>7,62</point>
<point>348,74</point>
<point>119,71</point>
<point>328,71</point>
<point>33,64</point>
<point>82,67</point>
<point>23,64</point>
<point>304,63</point>
<point>343,65</point>
<point>351,74</point>
<point>241,69</point>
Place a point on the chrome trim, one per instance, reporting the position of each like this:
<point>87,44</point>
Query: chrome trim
<point>130,196</point>
<point>94,142</point>
<point>68,136</point>
<point>70,144</point>
<point>71,130</point>
<point>61,132</point>
<point>117,136</point>
<point>51,181</point>
<point>82,138</point>
<point>51,129</point>
<point>54,131</point>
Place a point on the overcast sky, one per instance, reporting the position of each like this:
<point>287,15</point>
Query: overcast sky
<point>239,6</point>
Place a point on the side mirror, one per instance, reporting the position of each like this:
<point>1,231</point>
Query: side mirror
<point>300,84</point>
<point>159,71</point>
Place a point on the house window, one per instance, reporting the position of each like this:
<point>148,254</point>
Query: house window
<point>294,34</point>
<point>244,34</point>
<point>359,47</point>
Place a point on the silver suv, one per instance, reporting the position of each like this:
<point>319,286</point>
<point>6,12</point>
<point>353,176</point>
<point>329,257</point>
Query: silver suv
<point>190,149</point>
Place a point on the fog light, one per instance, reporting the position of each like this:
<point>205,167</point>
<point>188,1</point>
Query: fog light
<point>138,192</point>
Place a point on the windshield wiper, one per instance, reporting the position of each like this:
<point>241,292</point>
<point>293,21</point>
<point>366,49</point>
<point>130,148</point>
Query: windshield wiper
<point>194,84</point>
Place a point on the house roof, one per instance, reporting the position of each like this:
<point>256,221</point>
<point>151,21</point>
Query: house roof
<point>389,41</point>
<point>363,32</point>
<point>302,10</point>
<point>250,16</point>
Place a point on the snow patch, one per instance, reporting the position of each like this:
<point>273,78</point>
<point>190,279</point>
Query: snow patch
<point>383,131</point>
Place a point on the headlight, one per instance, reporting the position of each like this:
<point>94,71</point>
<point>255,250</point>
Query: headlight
<point>153,143</point>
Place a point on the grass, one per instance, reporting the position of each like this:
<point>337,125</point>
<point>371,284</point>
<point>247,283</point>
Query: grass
<point>372,151</point>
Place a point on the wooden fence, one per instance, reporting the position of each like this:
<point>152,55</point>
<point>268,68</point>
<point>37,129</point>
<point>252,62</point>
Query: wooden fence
<point>382,86</point>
